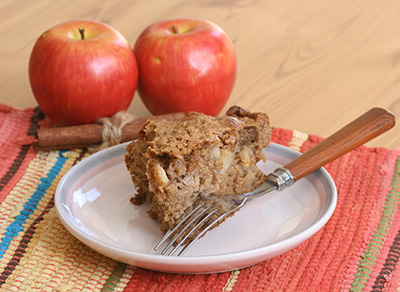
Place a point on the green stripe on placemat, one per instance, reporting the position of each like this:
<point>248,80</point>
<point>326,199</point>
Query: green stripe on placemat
<point>370,257</point>
<point>115,277</point>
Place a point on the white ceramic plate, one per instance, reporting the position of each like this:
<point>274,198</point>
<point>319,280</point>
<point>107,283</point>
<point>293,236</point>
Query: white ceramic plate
<point>92,202</point>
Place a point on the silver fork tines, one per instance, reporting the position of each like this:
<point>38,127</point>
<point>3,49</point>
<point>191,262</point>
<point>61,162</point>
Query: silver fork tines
<point>198,221</point>
<point>169,233</point>
<point>201,210</point>
<point>206,215</point>
<point>194,229</point>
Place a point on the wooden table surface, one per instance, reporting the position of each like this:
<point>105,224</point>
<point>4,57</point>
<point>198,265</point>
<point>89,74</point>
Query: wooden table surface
<point>311,65</point>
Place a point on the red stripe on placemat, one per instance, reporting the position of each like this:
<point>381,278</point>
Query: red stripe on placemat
<point>17,128</point>
<point>145,280</point>
<point>281,136</point>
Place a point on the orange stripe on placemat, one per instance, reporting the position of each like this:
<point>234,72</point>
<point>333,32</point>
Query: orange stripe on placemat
<point>145,280</point>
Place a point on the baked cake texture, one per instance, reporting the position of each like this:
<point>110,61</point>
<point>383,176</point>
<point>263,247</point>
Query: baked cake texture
<point>174,163</point>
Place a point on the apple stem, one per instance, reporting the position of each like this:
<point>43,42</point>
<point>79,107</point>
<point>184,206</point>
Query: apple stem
<point>175,29</point>
<point>82,32</point>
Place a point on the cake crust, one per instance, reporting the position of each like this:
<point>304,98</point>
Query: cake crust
<point>174,163</point>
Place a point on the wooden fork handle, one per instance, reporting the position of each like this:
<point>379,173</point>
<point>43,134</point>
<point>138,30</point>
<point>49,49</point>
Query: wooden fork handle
<point>363,129</point>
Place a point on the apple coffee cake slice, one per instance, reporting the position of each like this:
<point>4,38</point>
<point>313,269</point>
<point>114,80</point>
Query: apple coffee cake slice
<point>174,163</point>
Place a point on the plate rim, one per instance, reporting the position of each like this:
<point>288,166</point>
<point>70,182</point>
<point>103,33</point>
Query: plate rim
<point>139,257</point>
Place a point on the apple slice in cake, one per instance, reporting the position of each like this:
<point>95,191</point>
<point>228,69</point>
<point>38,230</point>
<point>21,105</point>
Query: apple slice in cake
<point>174,163</point>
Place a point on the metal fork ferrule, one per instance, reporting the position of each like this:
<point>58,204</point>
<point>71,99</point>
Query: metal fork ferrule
<point>281,177</point>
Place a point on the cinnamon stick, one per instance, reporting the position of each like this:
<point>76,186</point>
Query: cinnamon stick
<point>75,137</point>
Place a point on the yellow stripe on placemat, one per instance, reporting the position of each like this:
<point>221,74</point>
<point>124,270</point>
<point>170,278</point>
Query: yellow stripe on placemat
<point>14,202</point>
<point>56,261</point>
<point>231,281</point>
<point>53,260</point>
<point>129,271</point>
<point>37,171</point>
<point>297,140</point>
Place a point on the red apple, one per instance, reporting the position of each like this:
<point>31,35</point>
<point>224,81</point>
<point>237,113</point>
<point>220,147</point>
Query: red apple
<point>185,65</point>
<point>81,71</point>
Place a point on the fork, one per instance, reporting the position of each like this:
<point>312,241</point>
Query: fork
<point>206,215</point>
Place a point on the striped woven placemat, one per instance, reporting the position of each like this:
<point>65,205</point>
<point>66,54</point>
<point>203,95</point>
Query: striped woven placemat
<point>357,250</point>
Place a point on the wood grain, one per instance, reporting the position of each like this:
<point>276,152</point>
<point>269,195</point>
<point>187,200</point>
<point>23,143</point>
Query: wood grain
<point>311,65</point>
